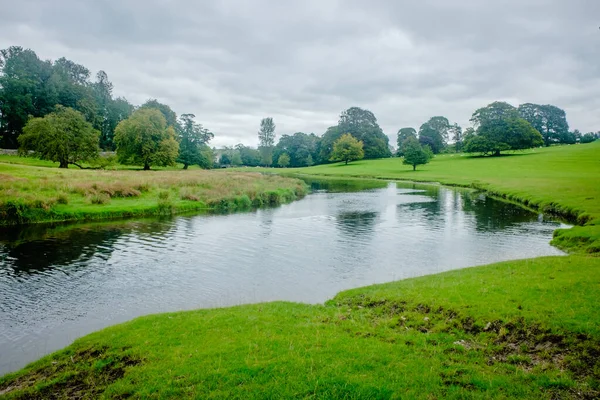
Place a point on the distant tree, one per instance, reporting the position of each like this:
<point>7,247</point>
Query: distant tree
<point>363,125</point>
<point>266,139</point>
<point>415,153</point>
<point>403,134</point>
<point>250,157</point>
<point>588,137</point>
<point>118,109</point>
<point>168,114</point>
<point>63,136</point>
<point>347,149</point>
<point>332,134</point>
<point>298,147</point>
<point>456,134</point>
<point>225,159</point>
<point>495,136</point>
<point>496,111</point>
<point>428,136</point>
<point>442,126</point>
<point>193,141</point>
<point>549,120</point>
<point>284,160</point>
<point>146,139</point>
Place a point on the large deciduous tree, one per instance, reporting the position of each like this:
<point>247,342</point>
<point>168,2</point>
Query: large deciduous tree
<point>494,136</point>
<point>415,153</point>
<point>63,136</point>
<point>549,120</point>
<point>347,148</point>
<point>300,147</point>
<point>363,125</point>
<point>146,139</point>
<point>428,136</point>
<point>266,140</point>
<point>403,134</point>
<point>165,110</point>
<point>496,111</point>
<point>193,143</point>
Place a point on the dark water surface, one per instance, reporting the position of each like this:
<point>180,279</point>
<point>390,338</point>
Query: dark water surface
<point>59,283</point>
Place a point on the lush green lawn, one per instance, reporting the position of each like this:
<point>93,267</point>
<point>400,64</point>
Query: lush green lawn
<point>31,191</point>
<point>519,329</point>
<point>563,180</point>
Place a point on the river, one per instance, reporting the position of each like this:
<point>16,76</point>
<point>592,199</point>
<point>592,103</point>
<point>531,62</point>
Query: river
<point>58,283</point>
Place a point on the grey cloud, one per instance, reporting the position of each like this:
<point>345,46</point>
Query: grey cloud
<point>302,62</point>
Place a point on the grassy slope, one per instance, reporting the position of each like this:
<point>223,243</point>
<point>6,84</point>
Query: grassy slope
<point>563,180</point>
<point>31,192</point>
<point>519,329</point>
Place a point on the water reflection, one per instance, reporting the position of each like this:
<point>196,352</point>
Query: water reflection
<point>60,282</point>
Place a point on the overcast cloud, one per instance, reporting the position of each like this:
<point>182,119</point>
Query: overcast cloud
<point>233,62</point>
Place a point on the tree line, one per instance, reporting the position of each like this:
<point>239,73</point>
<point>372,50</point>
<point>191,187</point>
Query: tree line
<point>56,110</point>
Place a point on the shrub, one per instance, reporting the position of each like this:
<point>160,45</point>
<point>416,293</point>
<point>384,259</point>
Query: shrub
<point>98,198</point>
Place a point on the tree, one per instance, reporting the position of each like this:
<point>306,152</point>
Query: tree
<point>495,136</point>
<point>496,111</point>
<point>428,136</point>
<point>456,134</point>
<point>170,116</point>
<point>347,149</point>
<point>193,141</point>
<point>299,147</point>
<point>588,137</point>
<point>549,120</point>
<point>250,157</point>
<point>332,134</point>
<point>442,126</point>
<point>266,138</point>
<point>284,160</point>
<point>145,139</point>
<point>415,153</point>
<point>63,136</point>
<point>363,125</point>
<point>403,134</point>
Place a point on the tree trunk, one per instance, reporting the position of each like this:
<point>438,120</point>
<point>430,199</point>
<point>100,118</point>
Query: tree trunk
<point>63,164</point>
<point>146,167</point>
<point>414,167</point>
<point>185,166</point>
<point>496,153</point>
<point>346,162</point>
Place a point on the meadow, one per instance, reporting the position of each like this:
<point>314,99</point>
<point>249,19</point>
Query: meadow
<point>32,191</point>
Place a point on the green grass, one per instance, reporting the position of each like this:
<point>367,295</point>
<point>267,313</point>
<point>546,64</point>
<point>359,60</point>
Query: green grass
<point>31,192</point>
<point>519,329</point>
<point>561,180</point>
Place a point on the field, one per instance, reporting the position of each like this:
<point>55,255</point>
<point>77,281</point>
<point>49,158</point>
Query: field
<point>562,180</point>
<point>520,329</point>
<point>31,191</point>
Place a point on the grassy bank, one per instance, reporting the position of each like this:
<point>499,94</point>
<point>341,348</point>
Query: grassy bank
<point>564,181</point>
<point>31,193</point>
<point>519,329</point>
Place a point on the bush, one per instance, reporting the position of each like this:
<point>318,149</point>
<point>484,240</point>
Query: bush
<point>98,198</point>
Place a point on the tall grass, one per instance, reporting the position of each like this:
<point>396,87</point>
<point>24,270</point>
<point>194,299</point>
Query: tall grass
<point>30,194</point>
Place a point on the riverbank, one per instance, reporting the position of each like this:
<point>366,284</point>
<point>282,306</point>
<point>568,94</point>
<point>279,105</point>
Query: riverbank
<point>563,181</point>
<point>518,329</point>
<point>35,194</point>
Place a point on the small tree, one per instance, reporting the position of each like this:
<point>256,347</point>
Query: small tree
<point>63,136</point>
<point>266,138</point>
<point>347,149</point>
<point>145,139</point>
<point>415,154</point>
<point>193,139</point>
<point>284,160</point>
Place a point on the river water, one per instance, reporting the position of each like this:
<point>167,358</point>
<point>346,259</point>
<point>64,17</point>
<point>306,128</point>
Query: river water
<point>58,283</point>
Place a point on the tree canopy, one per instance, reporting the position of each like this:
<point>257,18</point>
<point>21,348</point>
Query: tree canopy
<point>496,111</point>
<point>363,125</point>
<point>63,136</point>
<point>415,153</point>
<point>266,139</point>
<point>145,139</point>
<point>494,136</point>
<point>403,134</point>
<point>193,143</point>
<point>347,149</point>
<point>549,120</point>
<point>300,147</point>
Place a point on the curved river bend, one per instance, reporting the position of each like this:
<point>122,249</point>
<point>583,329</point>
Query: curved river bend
<point>59,283</point>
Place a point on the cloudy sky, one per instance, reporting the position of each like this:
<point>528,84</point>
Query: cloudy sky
<point>232,62</point>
